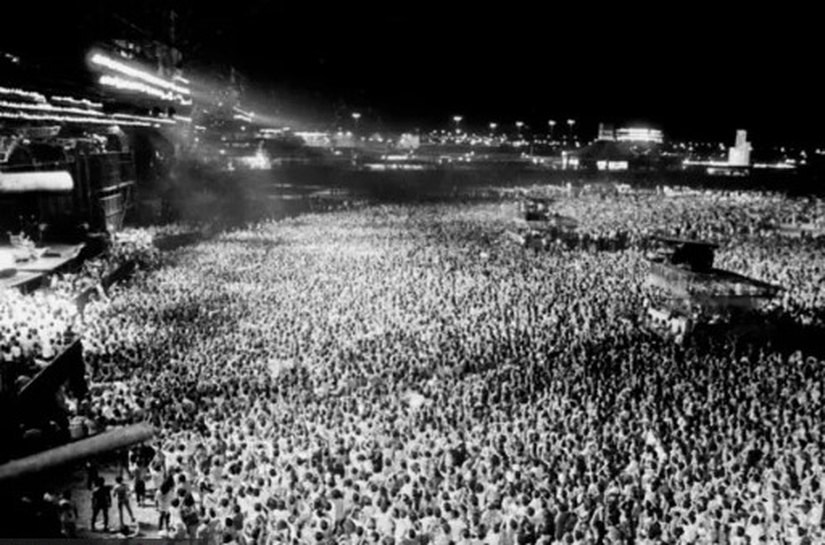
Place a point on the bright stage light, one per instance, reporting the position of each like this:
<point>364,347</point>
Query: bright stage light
<point>117,66</point>
<point>129,85</point>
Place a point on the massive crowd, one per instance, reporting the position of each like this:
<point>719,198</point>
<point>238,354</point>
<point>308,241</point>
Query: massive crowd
<point>36,328</point>
<point>401,375</point>
<point>745,224</point>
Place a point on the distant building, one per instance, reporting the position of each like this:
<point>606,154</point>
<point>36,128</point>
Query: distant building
<point>740,154</point>
<point>639,134</point>
<point>600,155</point>
<point>606,132</point>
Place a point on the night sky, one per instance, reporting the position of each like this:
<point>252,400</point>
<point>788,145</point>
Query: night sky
<point>695,71</point>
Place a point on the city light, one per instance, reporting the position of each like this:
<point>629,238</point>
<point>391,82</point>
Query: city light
<point>356,116</point>
<point>570,123</point>
<point>552,124</point>
<point>457,119</point>
<point>117,66</point>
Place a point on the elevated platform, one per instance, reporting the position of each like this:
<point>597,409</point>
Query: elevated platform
<point>712,288</point>
<point>554,222</point>
<point>55,258</point>
<point>694,296</point>
<point>25,282</point>
<point>29,275</point>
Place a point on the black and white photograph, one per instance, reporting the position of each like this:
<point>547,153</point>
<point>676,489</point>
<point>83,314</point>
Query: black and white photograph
<point>288,273</point>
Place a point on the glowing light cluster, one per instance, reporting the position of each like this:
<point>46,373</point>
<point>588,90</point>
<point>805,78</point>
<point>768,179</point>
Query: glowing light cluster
<point>125,69</point>
<point>241,117</point>
<point>20,93</point>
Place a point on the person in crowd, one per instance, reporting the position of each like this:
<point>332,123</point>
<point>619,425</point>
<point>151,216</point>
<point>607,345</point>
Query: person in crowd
<point>163,500</point>
<point>68,515</point>
<point>101,502</point>
<point>121,492</point>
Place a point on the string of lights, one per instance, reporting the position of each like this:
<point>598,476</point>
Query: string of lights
<point>130,85</point>
<point>20,93</point>
<point>77,102</point>
<point>130,117</point>
<point>48,108</point>
<point>70,119</point>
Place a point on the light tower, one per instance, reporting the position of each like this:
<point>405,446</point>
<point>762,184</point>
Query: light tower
<point>457,119</point>
<point>740,154</point>
<point>552,124</point>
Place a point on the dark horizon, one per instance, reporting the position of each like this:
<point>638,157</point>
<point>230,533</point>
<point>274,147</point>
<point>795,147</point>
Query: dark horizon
<point>699,73</point>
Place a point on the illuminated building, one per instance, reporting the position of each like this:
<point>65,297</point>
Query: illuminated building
<point>639,134</point>
<point>740,154</point>
<point>606,132</point>
<point>738,163</point>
